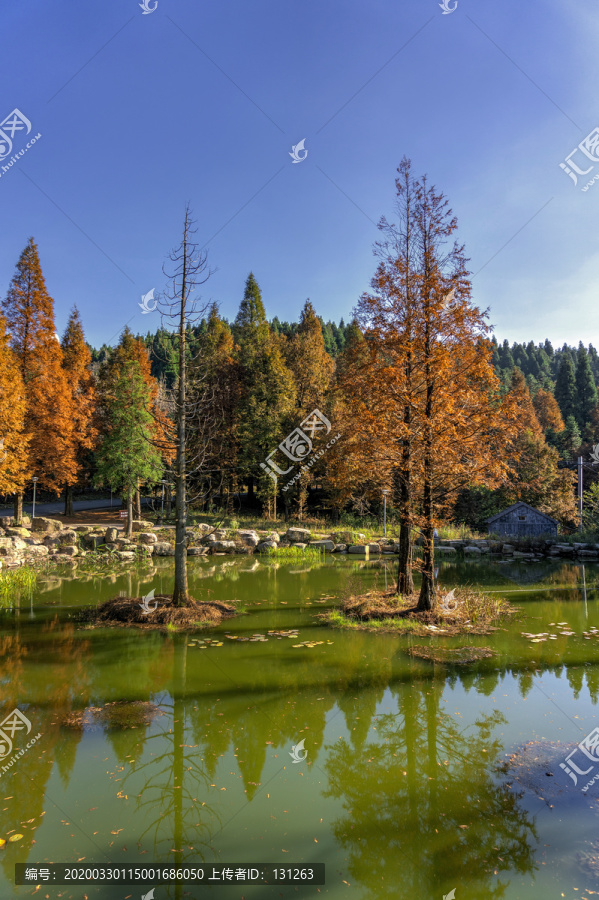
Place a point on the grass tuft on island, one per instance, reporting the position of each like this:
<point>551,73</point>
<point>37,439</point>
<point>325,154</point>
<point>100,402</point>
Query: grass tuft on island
<point>386,611</point>
<point>164,616</point>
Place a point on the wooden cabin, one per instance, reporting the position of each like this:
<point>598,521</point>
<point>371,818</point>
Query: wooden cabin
<point>522,520</point>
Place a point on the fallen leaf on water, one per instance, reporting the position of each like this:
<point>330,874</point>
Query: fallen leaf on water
<point>15,837</point>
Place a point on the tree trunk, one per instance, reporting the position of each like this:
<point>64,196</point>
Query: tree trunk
<point>137,503</point>
<point>403,484</point>
<point>427,599</point>
<point>68,500</point>
<point>405,580</point>
<point>168,502</point>
<point>129,530</point>
<point>18,509</point>
<point>181,592</point>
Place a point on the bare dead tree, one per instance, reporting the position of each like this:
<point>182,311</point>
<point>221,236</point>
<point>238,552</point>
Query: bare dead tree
<point>190,401</point>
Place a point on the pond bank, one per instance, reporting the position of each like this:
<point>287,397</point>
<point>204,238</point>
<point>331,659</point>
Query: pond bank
<point>48,539</point>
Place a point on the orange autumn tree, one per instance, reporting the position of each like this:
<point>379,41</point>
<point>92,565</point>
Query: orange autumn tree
<point>76,363</point>
<point>434,397</point>
<point>534,476</point>
<point>312,369</point>
<point>13,440</point>
<point>359,465</point>
<point>548,412</point>
<point>29,312</point>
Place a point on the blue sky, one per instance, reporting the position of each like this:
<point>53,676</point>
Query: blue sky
<point>201,103</point>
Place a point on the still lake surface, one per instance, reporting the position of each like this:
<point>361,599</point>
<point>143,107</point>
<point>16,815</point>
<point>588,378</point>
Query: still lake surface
<point>402,791</point>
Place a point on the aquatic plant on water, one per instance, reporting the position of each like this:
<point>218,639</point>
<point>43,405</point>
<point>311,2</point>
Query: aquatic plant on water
<point>16,584</point>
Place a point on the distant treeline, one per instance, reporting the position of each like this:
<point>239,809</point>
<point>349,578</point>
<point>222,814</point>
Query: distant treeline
<point>570,374</point>
<point>162,344</point>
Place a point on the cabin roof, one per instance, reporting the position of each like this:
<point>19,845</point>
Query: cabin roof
<point>519,505</point>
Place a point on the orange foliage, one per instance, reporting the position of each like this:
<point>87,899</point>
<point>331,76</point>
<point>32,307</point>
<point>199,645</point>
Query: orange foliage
<point>29,312</point>
<point>548,411</point>
<point>13,441</point>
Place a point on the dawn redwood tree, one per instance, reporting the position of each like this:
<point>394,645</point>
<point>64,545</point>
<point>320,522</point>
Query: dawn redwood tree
<point>462,423</point>
<point>435,401</point>
<point>13,440</point>
<point>126,454</point>
<point>312,368</point>
<point>391,311</point>
<point>49,418</point>
<point>534,476</point>
<point>548,412</point>
<point>76,363</point>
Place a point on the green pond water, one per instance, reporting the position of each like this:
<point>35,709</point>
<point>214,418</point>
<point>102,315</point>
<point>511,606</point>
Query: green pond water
<point>401,792</point>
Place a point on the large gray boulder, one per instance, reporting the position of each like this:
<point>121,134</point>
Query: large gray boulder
<point>223,546</point>
<point>361,548</point>
<point>69,550</point>
<point>266,546</point>
<point>42,524</point>
<point>141,525</point>
<point>298,534</point>
<point>111,535</point>
<point>197,551</point>
<point>250,538</point>
<point>163,548</point>
<point>11,546</point>
<point>13,531</point>
<point>37,550</point>
<point>323,545</point>
<point>148,537</point>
